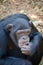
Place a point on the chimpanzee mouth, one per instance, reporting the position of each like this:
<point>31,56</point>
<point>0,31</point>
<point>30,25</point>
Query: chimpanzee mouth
<point>26,51</point>
<point>25,48</point>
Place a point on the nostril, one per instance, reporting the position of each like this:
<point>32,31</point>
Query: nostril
<point>24,38</point>
<point>27,44</point>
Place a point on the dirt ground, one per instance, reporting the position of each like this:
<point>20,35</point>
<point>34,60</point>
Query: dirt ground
<point>32,8</point>
<point>28,7</point>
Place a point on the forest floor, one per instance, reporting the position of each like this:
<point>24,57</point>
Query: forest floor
<point>32,8</point>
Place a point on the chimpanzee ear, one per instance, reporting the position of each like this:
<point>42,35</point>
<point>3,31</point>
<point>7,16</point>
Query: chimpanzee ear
<point>30,23</point>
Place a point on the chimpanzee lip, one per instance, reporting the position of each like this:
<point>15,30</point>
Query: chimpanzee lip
<point>25,49</point>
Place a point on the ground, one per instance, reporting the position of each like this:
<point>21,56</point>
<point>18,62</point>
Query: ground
<point>32,8</point>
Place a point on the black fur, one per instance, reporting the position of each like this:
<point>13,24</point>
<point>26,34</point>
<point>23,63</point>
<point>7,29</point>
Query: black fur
<point>5,40</point>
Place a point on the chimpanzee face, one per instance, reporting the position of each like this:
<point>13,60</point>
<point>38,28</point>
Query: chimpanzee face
<point>24,44</point>
<point>23,40</point>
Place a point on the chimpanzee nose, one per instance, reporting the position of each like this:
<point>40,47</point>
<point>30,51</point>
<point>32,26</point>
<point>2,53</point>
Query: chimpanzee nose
<point>27,44</point>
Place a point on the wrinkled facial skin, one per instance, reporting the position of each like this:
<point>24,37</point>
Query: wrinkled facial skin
<point>23,41</point>
<point>24,44</point>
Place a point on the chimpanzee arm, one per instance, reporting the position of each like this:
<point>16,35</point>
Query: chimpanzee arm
<point>37,49</point>
<point>35,42</point>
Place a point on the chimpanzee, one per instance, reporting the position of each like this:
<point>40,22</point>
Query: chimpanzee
<point>19,41</point>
